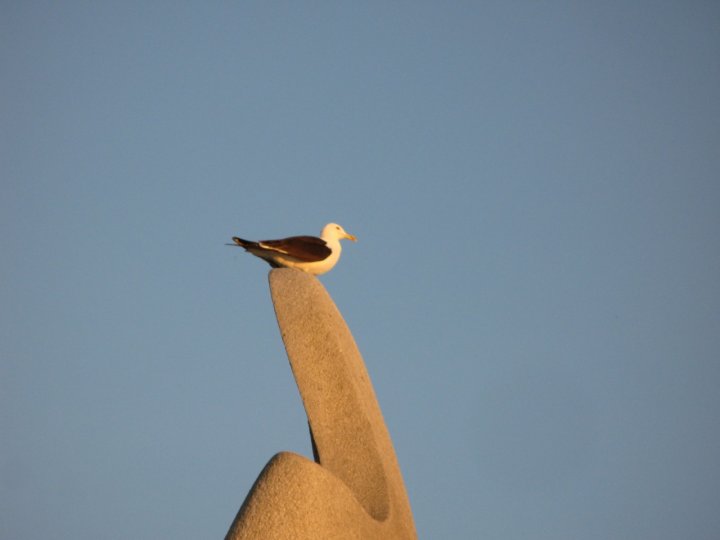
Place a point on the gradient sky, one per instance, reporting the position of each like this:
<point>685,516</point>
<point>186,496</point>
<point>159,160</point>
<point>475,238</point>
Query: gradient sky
<point>536,289</point>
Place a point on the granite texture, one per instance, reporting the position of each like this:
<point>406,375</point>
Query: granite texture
<point>354,488</point>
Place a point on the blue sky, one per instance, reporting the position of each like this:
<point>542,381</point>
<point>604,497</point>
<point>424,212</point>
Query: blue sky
<point>536,191</point>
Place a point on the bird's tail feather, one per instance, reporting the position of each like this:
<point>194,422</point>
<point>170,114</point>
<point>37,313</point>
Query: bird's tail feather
<point>244,243</point>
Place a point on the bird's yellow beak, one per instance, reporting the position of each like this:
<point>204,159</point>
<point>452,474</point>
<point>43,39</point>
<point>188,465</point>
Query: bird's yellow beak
<point>350,237</point>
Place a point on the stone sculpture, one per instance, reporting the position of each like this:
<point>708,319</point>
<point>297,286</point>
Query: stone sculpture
<point>353,488</point>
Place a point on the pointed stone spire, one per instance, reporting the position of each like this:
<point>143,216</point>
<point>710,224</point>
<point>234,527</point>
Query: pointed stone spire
<point>354,488</point>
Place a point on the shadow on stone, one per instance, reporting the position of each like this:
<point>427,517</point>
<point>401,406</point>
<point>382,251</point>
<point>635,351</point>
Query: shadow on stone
<point>354,488</point>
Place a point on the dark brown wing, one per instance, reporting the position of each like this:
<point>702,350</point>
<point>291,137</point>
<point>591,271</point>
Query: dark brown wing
<point>302,248</point>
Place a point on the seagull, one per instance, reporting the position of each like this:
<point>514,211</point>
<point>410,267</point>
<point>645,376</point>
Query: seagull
<point>307,253</point>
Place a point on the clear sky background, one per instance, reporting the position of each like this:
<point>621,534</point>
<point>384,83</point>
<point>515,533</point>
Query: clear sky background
<point>536,287</point>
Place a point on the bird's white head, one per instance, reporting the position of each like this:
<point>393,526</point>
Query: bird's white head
<point>335,231</point>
